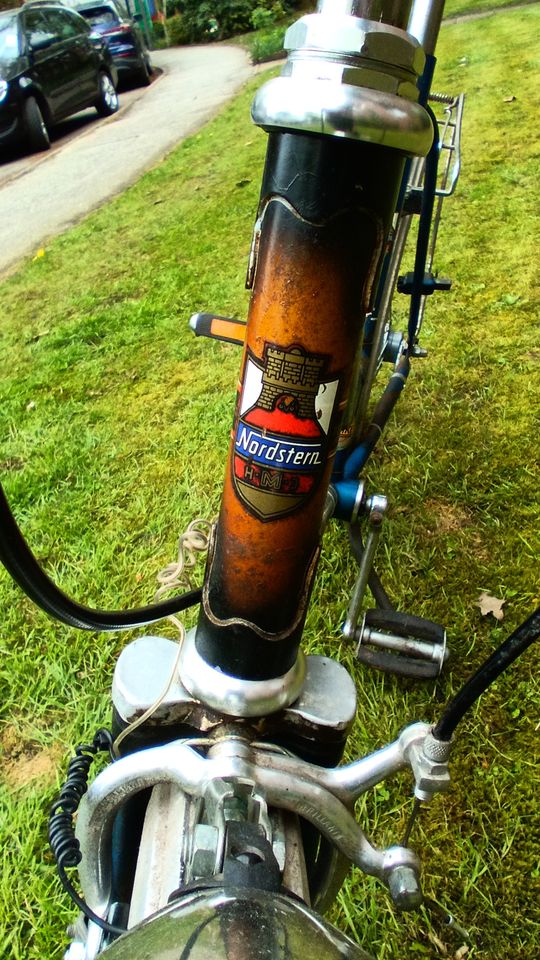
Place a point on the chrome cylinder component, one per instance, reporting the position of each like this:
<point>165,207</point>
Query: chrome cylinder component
<point>377,506</point>
<point>436,652</point>
<point>233,696</point>
<point>425,22</point>
<point>387,11</point>
<point>349,77</point>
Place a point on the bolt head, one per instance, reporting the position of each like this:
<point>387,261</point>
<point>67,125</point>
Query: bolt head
<point>353,36</point>
<point>404,888</point>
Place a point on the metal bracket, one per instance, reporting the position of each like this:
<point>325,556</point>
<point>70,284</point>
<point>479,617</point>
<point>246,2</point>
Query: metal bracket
<point>375,507</point>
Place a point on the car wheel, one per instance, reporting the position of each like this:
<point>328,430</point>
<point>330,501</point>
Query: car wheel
<point>107,101</point>
<point>143,76</point>
<point>35,128</point>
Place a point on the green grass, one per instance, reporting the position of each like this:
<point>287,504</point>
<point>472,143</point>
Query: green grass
<point>267,44</point>
<point>114,424</point>
<point>457,8</point>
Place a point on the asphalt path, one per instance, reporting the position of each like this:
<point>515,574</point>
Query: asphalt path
<point>93,159</point>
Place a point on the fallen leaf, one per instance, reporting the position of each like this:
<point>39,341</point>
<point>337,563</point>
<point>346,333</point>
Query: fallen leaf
<point>509,99</point>
<point>31,405</point>
<point>462,952</point>
<point>491,605</point>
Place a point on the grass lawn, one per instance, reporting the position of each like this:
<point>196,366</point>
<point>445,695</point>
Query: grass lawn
<point>114,425</point>
<point>267,43</point>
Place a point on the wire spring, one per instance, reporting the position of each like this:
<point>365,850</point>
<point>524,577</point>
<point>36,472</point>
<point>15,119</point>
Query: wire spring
<point>193,541</point>
<point>63,842</point>
<point>441,98</point>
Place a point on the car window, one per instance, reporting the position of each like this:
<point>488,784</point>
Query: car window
<point>9,39</point>
<point>39,30</point>
<point>66,25</point>
<point>101,16</point>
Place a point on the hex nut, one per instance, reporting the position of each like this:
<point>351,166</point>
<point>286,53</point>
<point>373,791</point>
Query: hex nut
<point>205,843</point>
<point>404,888</point>
<point>352,36</point>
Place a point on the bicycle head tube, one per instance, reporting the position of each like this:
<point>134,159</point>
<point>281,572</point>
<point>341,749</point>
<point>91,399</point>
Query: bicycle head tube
<point>342,120</point>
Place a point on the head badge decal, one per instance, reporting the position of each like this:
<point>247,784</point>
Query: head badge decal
<point>280,441</point>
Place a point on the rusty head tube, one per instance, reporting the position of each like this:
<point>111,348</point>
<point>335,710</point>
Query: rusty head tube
<point>340,126</point>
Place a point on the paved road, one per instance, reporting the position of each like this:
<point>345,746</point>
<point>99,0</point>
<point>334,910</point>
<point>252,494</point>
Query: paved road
<point>94,159</point>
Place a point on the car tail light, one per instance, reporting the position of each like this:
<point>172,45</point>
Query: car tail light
<point>121,28</point>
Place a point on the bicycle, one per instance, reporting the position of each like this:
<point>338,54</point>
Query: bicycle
<point>241,789</point>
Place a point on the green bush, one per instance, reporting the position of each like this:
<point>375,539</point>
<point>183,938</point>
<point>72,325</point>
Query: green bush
<point>176,30</point>
<point>158,31</point>
<point>267,45</point>
<point>216,21</point>
<point>220,19</point>
<point>266,14</point>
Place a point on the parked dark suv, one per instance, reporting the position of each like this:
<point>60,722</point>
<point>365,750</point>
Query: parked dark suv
<point>51,65</point>
<point>123,36</point>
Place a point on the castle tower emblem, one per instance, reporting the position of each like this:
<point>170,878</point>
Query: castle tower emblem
<point>280,437</point>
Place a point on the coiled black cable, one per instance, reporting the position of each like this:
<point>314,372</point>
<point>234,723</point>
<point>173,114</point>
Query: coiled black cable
<point>63,842</point>
<point>509,650</point>
<point>21,563</point>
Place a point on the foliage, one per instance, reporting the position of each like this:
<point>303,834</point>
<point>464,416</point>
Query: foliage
<point>215,20</point>
<point>218,20</point>
<point>177,31</point>
<point>266,14</point>
<point>267,44</point>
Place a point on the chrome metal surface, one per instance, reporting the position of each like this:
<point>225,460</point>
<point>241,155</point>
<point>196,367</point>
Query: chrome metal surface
<point>352,42</point>
<point>375,507</point>
<point>389,11</point>
<point>329,506</point>
<point>350,781</point>
<point>319,106</point>
<point>328,697</point>
<point>450,126</point>
<point>235,925</point>
<point>164,850</point>
<point>404,888</point>
<point>235,697</point>
<point>429,763</point>
<point>322,797</point>
<point>141,674</point>
<point>421,649</point>
<point>349,77</point>
<point>425,21</point>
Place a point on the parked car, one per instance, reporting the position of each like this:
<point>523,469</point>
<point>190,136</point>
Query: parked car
<point>51,66</point>
<point>123,36</point>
